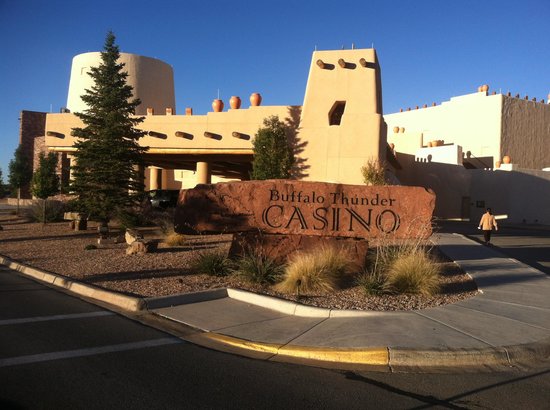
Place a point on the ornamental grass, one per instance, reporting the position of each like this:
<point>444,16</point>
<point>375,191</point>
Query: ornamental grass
<point>315,271</point>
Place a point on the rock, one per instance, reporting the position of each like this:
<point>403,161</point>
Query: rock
<point>306,208</point>
<point>132,235</point>
<point>141,246</point>
<point>281,247</point>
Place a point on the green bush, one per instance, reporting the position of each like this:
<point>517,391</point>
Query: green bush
<point>213,263</point>
<point>54,211</point>
<point>256,267</point>
<point>415,273</point>
<point>314,271</point>
<point>372,282</point>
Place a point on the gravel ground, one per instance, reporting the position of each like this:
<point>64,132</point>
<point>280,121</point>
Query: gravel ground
<point>56,248</point>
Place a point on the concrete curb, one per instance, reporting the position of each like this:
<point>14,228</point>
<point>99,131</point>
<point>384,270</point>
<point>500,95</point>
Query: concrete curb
<point>375,356</point>
<point>125,302</point>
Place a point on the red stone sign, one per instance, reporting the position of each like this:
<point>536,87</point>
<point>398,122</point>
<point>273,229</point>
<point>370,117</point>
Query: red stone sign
<point>306,208</point>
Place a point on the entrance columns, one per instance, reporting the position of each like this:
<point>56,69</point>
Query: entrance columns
<point>203,173</point>
<point>154,178</point>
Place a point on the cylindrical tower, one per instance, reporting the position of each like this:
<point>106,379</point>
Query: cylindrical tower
<point>152,81</point>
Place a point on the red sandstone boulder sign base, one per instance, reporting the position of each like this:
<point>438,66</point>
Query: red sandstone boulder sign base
<point>306,208</point>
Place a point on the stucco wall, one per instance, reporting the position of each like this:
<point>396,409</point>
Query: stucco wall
<point>152,81</point>
<point>164,129</point>
<point>471,121</point>
<point>526,132</point>
<point>523,196</point>
<point>336,153</point>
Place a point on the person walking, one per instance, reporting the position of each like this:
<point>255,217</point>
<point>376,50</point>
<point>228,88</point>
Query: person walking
<point>487,223</point>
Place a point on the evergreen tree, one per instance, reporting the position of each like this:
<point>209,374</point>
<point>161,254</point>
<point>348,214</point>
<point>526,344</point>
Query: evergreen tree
<point>106,177</point>
<point>45,181</point>
<point>273,156</point>
<point>20,172</point>
<point>1,184</point>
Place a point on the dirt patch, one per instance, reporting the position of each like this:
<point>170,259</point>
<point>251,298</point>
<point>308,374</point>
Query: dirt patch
<point>57,249</point>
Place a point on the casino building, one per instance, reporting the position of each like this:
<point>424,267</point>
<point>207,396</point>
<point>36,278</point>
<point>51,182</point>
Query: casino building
<point>477,150</point>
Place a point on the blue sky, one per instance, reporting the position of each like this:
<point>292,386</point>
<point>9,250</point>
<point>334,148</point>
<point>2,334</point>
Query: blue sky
<point>428,50</point>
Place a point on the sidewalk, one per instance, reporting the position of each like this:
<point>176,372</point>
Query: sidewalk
<point>507,324</point>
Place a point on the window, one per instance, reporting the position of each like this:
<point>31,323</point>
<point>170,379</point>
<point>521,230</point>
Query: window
<point>336,112</point>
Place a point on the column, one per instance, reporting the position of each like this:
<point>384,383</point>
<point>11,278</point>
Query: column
<point>203,173</point>
<point>153,178</point>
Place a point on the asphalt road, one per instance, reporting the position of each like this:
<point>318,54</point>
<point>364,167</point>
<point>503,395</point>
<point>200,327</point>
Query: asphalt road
<point>59,352</point>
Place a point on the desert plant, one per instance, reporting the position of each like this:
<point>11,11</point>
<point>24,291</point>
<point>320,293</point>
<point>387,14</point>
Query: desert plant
<point>415,272</point>
<point>175,239</point>
<point>213,263</point>
<point>374,172</point>
<point>372,282</point>
<point>314,271</point>
<point>256,267</point>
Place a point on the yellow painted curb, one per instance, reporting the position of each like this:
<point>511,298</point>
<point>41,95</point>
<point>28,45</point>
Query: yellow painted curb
<point>371,355</point>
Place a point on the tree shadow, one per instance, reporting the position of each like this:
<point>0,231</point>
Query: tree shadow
<point>292,123</point>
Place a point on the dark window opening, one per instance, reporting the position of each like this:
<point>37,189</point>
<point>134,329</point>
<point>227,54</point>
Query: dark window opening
<point>336,112</point>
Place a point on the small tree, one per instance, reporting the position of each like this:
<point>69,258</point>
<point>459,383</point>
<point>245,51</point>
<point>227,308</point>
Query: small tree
<point>45,181</point>
<point>20,172</point>
<point>106,177</point>
<point>273,156</point>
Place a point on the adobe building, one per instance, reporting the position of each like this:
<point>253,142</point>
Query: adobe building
<point>475,151</point>
<point>340,124</point>
<point>456,148</point>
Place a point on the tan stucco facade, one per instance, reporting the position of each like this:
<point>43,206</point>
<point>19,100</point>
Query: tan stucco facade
<point>330,144</point>
<point>486,127</point>
<point>474,133</point>
<point>152,81</point>
<point>336,153</point>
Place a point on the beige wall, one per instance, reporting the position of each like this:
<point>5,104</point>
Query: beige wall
<point>223,124</point>
<point>526,132</point>
<point>471,121</point>
<point>152,81</point>
<point>336,153</point>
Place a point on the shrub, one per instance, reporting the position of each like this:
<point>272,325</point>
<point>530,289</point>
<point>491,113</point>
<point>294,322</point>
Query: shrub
<point>415,273</point>
<point>372,282</point>
<point>90,247</point>
<point>256,267</point>
<point>212,263</point>
<point>314,271</point>
<point>54,211</point>
<point>175,239</point>
<point>374,172</point>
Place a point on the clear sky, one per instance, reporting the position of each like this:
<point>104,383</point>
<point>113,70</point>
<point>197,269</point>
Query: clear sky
<point>429,50</point>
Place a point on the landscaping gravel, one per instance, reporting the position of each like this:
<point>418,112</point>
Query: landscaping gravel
<point>56,248</point>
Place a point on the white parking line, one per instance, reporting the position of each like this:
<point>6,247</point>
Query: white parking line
<point>45,357</point>
<point>54,317</point>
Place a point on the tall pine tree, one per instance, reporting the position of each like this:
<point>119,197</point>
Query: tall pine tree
<point>106,176</point>
<point>273,156</point>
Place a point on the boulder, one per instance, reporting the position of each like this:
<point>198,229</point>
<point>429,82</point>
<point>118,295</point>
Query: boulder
<point>141,246</point>
<point>132,235</point>
<point>281,247</point>
<point>306,208</point>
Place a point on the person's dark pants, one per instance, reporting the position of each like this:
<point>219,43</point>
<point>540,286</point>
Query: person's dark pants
<point>487,235</point>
